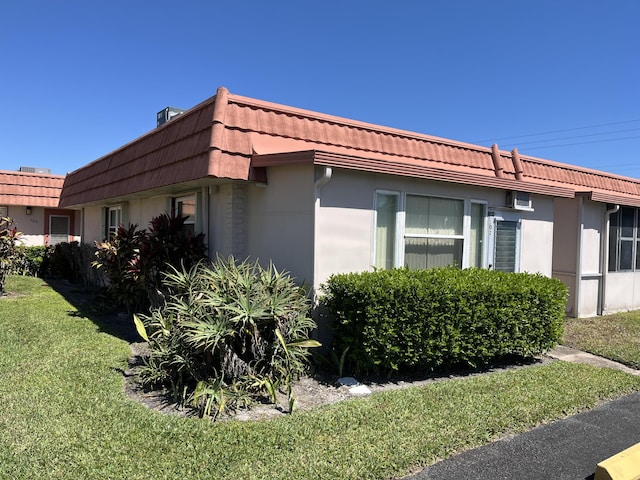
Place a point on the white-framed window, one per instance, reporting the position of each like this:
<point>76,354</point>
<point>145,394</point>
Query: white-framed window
<point>624,240</point>
<point>113,220</point>
<point>387,206</point>
<point>186,206</point>
<point>426,231</point>
<point>433,231</point>
<point>4,211</point>
<point>477,233</point>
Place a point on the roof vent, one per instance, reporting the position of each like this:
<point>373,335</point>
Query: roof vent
<point>519,201</point>
<point>167,114</point>
<point>34,170</point>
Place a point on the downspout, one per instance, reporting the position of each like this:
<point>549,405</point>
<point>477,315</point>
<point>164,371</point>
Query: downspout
<point>322,181</point>
<point>604,257</point>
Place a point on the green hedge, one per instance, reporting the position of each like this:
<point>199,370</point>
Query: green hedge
<point>399,319</point>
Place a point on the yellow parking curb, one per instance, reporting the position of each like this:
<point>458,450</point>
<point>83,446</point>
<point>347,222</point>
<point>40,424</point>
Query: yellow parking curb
<point>622,466</point>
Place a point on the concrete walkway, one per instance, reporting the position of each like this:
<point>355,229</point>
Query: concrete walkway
<point>572,355</point>
<point>567,449</point>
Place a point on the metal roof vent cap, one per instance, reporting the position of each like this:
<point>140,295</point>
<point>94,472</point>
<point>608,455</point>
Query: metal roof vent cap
<point>167,114</point>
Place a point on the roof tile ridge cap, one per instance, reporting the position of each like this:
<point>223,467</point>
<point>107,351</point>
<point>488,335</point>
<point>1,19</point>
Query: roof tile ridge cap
<point>217,129</point>
<point>301,112</point>
<point>578,168</point>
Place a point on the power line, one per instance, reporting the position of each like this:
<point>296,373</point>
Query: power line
<point>583,143</point>
<point>554,131</point>
<point>574,136</point>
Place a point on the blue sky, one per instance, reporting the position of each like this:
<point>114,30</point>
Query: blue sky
<point>81,78</point>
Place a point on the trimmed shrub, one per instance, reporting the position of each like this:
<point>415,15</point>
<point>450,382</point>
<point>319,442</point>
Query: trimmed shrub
<point>392,320</point>
<point>71,261</point>
<point>228,334</point>
<point>31,260</point>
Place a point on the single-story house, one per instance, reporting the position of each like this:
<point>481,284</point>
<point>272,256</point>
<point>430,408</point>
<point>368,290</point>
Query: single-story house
<point>319,194</point>
<point>30,198</point>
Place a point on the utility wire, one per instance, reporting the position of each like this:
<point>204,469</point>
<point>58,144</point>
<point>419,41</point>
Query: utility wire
<point>582,143</point>
<point>554,131</point>
<point>574,136</point>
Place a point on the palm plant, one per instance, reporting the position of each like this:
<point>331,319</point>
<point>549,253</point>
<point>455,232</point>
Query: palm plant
<point>229,332</point>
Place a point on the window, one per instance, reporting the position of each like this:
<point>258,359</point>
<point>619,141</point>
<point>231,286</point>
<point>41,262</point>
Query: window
<point>433,235</point>
<point>506,246</point>
<point>420,231</point>
<point>385,230</point>
<point>4,211</point>
<point>58,229</point>
<point>186,207</point>
<point>476,235</point>
<point>114,220</point>
<point>624,240</point>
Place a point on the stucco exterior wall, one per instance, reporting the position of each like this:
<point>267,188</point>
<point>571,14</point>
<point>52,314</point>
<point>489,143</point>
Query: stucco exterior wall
<point>92,225</point>
<point>622,292</point>
<point>565,242</point>
<point>537,237</point>
<point>345,220</point>
<point>34,226</point>
<point>280,220</point>
<point>591,261</point>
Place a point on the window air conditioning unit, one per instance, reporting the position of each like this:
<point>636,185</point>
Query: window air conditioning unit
<point>519,201</point>
<point>167,114</point>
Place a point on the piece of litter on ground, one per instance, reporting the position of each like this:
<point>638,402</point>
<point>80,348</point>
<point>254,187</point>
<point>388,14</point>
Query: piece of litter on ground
<point>360,390</point>
<point>348,382</point>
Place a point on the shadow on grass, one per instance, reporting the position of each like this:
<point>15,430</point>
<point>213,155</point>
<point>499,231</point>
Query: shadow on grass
<point>89,303</point>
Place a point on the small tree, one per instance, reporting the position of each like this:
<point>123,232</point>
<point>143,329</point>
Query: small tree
<point>9,249</point>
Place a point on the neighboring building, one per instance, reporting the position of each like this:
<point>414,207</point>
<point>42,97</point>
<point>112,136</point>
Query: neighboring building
<point>30,198</point>
<point>318,194</point>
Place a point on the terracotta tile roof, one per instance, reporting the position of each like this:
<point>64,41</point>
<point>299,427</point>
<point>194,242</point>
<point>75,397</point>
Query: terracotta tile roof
<point>30,189</point>
<point>234,137</point>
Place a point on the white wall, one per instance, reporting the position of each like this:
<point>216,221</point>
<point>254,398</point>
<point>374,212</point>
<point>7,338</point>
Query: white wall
<point>593,236</point>
<point>537,237</point>
<point>622,292</point>
<point>345,220</point>
<point>32,226</point>
<point>280,220</point>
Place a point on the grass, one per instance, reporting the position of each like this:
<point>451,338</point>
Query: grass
<point>613,336</point>
<point>63,413</point>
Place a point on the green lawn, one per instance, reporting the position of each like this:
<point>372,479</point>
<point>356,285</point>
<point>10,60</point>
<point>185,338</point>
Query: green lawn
<point>63,413</point>
<point>613,336</point>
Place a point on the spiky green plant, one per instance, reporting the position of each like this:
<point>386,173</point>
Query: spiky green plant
<point>228,333</point>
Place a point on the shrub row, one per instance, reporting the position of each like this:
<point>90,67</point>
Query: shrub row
<point>432,319</point>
